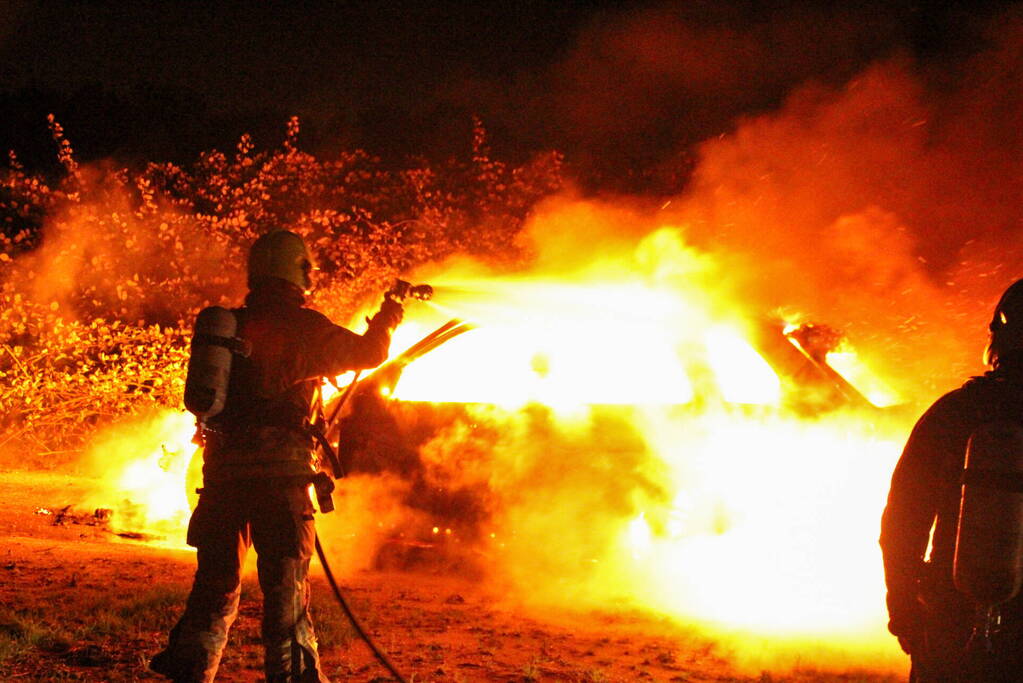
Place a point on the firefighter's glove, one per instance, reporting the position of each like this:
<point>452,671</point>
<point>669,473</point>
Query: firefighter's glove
<point>388,317</point>
<point>906,620</point>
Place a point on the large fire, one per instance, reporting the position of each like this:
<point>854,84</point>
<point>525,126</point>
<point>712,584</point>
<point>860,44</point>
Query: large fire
<point>653,414</point>
<point>757,519</point>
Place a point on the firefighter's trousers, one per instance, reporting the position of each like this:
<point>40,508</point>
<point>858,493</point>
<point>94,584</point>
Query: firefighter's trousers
<point>278,522</point>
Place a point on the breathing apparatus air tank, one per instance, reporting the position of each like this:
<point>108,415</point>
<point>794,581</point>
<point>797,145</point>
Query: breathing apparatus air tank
<point>209,365</point>
<point>989,541</point>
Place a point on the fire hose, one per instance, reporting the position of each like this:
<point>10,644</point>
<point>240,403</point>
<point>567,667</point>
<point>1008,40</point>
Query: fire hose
<point>356,624</point>
<point>389,373</point>
<point>377,652</point>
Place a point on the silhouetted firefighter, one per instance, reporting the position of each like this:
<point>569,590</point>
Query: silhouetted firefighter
<point>254,378</point>
<point>959,614</point>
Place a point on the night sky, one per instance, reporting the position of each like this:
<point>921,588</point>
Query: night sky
<point>625,90</point>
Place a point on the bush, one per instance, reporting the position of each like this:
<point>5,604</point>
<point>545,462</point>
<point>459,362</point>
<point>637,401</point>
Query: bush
<point>103,269</point>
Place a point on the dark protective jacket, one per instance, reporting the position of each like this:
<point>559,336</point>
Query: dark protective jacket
<point>925,492</point>
<point>257,466</point>
<point>260,432</point>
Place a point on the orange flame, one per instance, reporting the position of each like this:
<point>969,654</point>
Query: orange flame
<point>146,466</point>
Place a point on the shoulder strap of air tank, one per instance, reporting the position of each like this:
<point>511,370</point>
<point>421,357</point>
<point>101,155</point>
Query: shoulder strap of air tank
<point>1000,480</point>
<point>989,398</point>
<point>235,345</point>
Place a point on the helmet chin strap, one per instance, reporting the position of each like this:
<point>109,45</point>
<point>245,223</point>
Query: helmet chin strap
<point>307,275</point>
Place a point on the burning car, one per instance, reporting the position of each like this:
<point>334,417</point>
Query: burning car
<point>434,414</point>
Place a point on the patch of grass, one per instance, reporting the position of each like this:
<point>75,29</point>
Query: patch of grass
<point>12,638</point>
<point>11,627</point>
<point>159,601</point>
<point>333,629</point>
<point>88,621</point>
<point>532,670</point>
<point>50,641</point>
<point>24,630</point>
<point>154,609</point>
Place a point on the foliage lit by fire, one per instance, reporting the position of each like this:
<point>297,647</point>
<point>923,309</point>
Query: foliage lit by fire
<point>103,268</point>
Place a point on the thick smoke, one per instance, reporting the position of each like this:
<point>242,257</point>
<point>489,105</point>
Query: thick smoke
<point>110,255</point>
<point>638,88</point>
<point>638,84</point>
<point>887,207</point>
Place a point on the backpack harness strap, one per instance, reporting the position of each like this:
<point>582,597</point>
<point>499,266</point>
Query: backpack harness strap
<point>236,345</point>
<point>987,478</point>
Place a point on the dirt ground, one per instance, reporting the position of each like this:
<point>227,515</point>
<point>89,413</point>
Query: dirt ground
<point>112,599</point>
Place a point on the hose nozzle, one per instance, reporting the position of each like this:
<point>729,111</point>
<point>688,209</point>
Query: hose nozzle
<point>406,290</point>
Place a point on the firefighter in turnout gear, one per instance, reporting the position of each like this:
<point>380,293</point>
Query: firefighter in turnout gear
<point>258,464</point>
<point>957,612</point>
